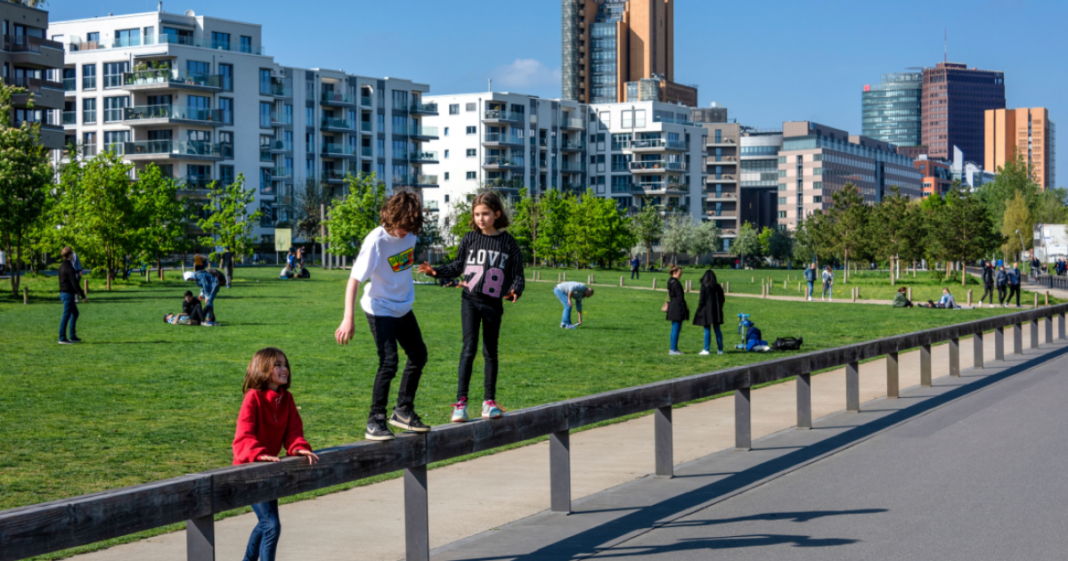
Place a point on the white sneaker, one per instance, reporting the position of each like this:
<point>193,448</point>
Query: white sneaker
<point>719,352</point>
<point>675,353</point>
<point>809,298</point>
<point>490,410</point>
<point>459,411</point>
<point>704,353</point>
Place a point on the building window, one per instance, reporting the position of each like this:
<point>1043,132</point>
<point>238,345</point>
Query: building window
<point>265,81</point>
<point>400,99</point>
<point>472,130</point>
<point>114,141</point>
<point>226,72</point>
<point>197,68</point>
<point>472,175</point>
<point>89,111</point>
<point>782,200</point>
<point>113,108</point>
<point>817,199</point>
<point>265,115</point>
<point>113,72</point>
<point>606,120</point>
<point>454,109</point>
<point>246,44</point>
<point>446,131</point>
<point>88,76</point>
<point>446,200</point>
<point>782,214</point>
<point>226,175</point>
<point>150,35</point>
<point>128,38</point>
<point>782,187</point>
<point>446,154</point>
<point>472,152</point>
<point>220,40</point>
<point>471,107</point>
<point>226,110</point>
<point>89,144</point>
<point>446,176</point>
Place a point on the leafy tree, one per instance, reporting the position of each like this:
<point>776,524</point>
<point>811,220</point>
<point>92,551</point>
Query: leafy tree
<point>25,176</point>
<point>526,224</point>
<point>646,227</point>
<point>354,215</point>
<point>747,244</point>
<point>1050,208</point>
<point>459,222</point>
<point>429,236</point>
<point>552,242</point>
<point>1012,178</point>
<point>163,217</point>
<point>706,239</point>
<point>804,247</point>
<point>307,209</point>
<point>1017,217</point>
<point>849,218</point>
<point>678,235</point>
<point>780,245</point>
<point>963,230</point>
<point>229,223</point>
<point>890,222</point>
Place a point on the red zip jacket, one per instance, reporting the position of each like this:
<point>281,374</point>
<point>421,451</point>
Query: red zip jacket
<point>268,419</point>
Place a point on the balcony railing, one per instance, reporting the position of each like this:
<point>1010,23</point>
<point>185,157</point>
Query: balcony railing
<point>574,124</point>
<point>658,143</point>
<point>331,96</point>
<point>512,161</point>
<point>32,85</point>
<point>282,146</point>
<point>196,182</point>
<point>365,101</point>
<point>672,120</point>
<point>503,115</point>
<point>88,82</point>
<point>164,39</point>
<point>426,180</point>
<point>281,173</point>
<point>28,44</point>
<point>265,154</point>
<point>366,151</point>
<point>176,112</point>
<point>281,118</point>
<point>503,138</point>
<point>423,131</point>
<point>428,108</point>
<point>573,145</point>
<point>652,187</point>
<point>70,84</point>
<point>333,175</point>
<point>338,149</point>
<point>366,126</point>
<point>172,76</point>
<point>423,157</point>
<point>329,123</point>
<point>70,117</point>
<point>179,148</point>
<point>573,166</point>
<point>512,183</point>
<point>658,166</point>
<point>278,87</point>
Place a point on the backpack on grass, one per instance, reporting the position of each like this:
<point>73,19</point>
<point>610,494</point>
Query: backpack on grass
<point>787,344</point>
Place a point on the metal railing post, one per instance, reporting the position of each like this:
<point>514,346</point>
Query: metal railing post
<point>416,518</point>
<point>925,365</point>
<point>1049,328</point>
<point>954,357</point>
<point>977,351</point>
<point>853,387</point>
<point>743,432</point>
<point>1060,326</point>
<point>804,401</point>
<point>999,343</point>
<point>664,444</point>
<point>560,472</point>
<point>1034,333</point>
<point>200,538</point>
<point>1017,339</point>
<point>891,375</point>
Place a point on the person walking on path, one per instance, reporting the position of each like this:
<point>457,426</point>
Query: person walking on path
<point>828,285</point>
<point>988,283</point>
<point>709,312</point>
<point>1001,281</point>
<point>635,268</point>
<point>69,291</point>
<point>810,278</point>
<point>228,266</point>
<point>492,267</point>
<point>386,257</point>
<point>1014,283</point>
<point>677,312</point>
<point>571,294</point>
<point>268,421</point>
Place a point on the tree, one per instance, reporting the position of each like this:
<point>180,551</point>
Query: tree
<point>163,217</point>
<point>804,247</point>
<point>962,230</point>
<point>229,224</point>
<point>1017,218</point>
<point>646,227</point>
<point>1012,178</point>
<point>25,176</point>
<point>354,215</point>
<point>706,239</point>
<point>780,245</point>
<point>552,242</point>
<point>1051,206</point>
<point>526,225</point>
<point>747,244</point>
<point>307,208</point>
<point>678,235</point>
<point>890,222</point>
<point>849,225</point>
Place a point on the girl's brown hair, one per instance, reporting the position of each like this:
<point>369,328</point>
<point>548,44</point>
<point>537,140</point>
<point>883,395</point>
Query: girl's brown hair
<point>403,210</point>
<point>492,202</point>
<point>674,269</point>
<point>260,367</point>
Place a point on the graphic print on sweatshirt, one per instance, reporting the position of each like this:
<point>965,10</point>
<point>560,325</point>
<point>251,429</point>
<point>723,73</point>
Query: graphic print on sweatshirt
<point>403,261</point>
<point>485,263</point>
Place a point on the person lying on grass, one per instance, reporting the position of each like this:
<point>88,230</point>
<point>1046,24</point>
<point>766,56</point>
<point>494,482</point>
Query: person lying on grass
<point>198,314</point>
<point>945,303</point>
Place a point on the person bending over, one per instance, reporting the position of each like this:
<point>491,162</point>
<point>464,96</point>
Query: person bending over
<point>197,314</point>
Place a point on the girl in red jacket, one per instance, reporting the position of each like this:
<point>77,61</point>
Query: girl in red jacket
<point>268,420</point>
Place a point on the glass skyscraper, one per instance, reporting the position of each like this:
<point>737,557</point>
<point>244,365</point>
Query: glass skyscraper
<point>891,111</point>
<point>603,52</point>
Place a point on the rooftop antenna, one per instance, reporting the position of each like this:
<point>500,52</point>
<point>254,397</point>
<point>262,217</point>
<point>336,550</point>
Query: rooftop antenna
<point>945,46</point>
<point>491,84</point>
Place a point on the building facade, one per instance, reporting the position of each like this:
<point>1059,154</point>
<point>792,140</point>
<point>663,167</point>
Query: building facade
<point>620,50</point>
<point>937,176</point>
<point>891,111</point>
<point>1028,132</point>
<point>32,61</point>
<point>722,196</point>
<point>816,161</point>
<point>199,97</point>
<point>639,154</point>
<point>759,179</point>
<point>955,99</point>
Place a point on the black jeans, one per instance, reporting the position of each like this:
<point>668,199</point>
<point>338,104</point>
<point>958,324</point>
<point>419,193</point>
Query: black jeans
<point>634,273</point>
<point>388,332</point>
<point>987,289</point>
<point>202,314</point>
<point>1001,294</point>
<point>476,310</point>
<point>1014,289</point>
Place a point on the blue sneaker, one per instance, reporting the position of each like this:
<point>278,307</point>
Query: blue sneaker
<point>490,410</point>
<point>459,411</point>
<point>572,326</point>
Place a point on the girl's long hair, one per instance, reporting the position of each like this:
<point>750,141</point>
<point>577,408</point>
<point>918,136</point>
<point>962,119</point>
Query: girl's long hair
<point>709,280</point>
<point>259,369</point>
<point>492,202</point>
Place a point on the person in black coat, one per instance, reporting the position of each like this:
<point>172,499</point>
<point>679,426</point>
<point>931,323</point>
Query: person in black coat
<point>677,312</point>
<point>69,291</point>
<point>988,283</point>
<point>709,312</point>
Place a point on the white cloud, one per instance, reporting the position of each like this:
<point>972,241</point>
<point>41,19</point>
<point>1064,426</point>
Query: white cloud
<point>525,73</point>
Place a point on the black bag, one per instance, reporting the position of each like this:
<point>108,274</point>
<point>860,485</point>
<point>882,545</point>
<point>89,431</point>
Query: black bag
<point>787,344</point>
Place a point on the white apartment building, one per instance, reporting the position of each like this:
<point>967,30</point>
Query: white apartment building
<point>199,97</point>
<point>636,153</point>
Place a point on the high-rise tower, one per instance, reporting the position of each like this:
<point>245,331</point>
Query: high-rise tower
<point>1027,132</point>
<point>954,99</point>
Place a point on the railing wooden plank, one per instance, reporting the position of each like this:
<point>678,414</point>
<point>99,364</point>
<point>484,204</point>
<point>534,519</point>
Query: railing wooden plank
<point>610,405</point>
<point>454,440</point>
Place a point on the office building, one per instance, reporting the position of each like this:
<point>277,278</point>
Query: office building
<point>621,50</point>
<point>1027,132</point>
<point>955,99</point>
<point>199,97</point>
<point>937,176</point>
<point>759,177</point>
<point>817,160</point>
<point>32,61</point>
<point>968,173</point>
<point>714,113</point>
<point>891,111</point>
<point>638,154</point>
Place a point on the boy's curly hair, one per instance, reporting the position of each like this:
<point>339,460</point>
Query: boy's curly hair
<point>403,210</point>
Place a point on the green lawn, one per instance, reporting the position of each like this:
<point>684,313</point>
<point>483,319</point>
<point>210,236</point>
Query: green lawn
<point>874,285</point>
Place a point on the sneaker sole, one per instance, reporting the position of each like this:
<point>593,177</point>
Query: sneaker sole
<point>378,438</point>
<point>407,427</point>
<point>493,416</point>
<point>459,420</point>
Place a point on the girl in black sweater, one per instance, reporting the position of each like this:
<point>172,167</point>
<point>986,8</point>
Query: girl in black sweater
<point>709,312</point>
<point>491,266</point>
<point>677,311</point>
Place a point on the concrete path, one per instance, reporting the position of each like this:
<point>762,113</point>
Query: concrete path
<point>472,497</point>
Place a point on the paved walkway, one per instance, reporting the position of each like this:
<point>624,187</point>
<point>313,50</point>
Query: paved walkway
<point>486,493</point>
<point>967,469</point>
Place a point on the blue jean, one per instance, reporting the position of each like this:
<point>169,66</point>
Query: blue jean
<point>828,288</point>
<point>562,296</point>
<point>676,326</point>
<point>210,288</point>
<point>811,288</point>
<point>708,337</point>
<point>70,314</point>
<point>263,543</point>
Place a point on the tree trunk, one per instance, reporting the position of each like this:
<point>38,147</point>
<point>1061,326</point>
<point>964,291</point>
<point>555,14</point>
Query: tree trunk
<point>892,279</point>
<point>962,271</point>
<point>16,274</point>
<point>845,269</point>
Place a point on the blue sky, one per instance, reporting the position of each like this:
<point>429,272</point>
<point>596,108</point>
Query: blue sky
<point>768,61</point>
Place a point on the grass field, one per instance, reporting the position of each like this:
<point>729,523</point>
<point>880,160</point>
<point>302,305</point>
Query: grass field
<point>874,285</point>
<point>141,400</point>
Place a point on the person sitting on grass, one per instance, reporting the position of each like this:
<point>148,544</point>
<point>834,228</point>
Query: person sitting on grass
<point>945,303</point>
<point>197,314</point>
<point>901,299</point>
<point>286,274</point>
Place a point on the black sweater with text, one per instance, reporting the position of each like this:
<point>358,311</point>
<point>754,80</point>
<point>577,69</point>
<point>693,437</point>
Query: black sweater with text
<point>489,265</point>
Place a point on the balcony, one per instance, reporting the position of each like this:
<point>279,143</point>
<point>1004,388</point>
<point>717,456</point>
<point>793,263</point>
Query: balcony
<point>657,145</point>
<point>425,133</point>
<point>573,167</point>
<point>340,99</point>
<point>502,116</point>
<point>722,142</point>
<point>732,197</point>
<point>332,150</point>
<point>330,124</point>
<point>194,184</point>
<point>281,119</point>
<point>265,153</point>
<point>426,181</point>
<point>724,178</point>
<point>501,139</point>
<point>33,52</point>
<point>333,176</point>
<point>46,94</point>
<point>281,174</point>
<point>572,145</point>
<point>170,79</point>
<point>366,152</point>
<point>430,206</point>
<point>514,183</point>
<point>658,166</point>
<point>70,84</point>
<point>503,162</point>
<point>573,124</point>
<point>366,127</point>
<point>424,157</point>
<point>423,108</point>
<point>653,188</point>
<point>673,121</point>
<point>577,188</point>
<point>70,118</point>
<point>281,146</point>
<point>166,39</point>
<point>147,150</point>
<point>277,87</point>
<point>365,101</point>
<point>147,115</point>
<point>723,215</point>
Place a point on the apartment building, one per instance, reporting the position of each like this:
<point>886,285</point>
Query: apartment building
<point>31,61</point>
<point>201,98</point>
<point>817,160</point>
<point>722,196</point>
<point>1027,131</point>
<point>637,154</point>
<point>759,177</point>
